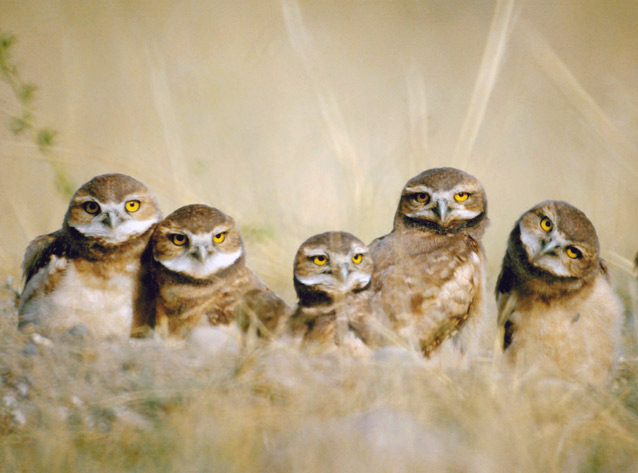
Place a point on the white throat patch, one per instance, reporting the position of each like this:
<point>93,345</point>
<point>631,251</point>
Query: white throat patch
<point>187,264</point>
<point>354,281</point>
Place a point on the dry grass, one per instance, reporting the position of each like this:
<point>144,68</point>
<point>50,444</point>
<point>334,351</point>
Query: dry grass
<point>78,405</point>
<point>298,117</point>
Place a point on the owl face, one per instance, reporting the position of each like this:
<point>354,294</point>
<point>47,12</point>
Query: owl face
<point>112,208</point>
<point>334,263</point>
<point>559,239</point>
<point>442,199</point>
<point>197,240</point>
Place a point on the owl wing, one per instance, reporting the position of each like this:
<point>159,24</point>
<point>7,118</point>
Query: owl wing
<point>506,299</point>
<point>45,261</point>
<point>263,308</point>
<point>145,302</point>
<point>427,287</point>
<point>39,252</point>
<point>250,302</point>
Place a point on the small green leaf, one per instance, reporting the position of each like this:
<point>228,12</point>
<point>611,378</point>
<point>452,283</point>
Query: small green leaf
<point>62,184</point>
<point>18,125</point>
<point>45,137</point>
<point>6,40</point>
<point>27,93</point>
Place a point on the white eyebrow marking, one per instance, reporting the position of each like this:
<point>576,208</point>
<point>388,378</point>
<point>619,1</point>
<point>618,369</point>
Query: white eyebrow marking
<point>87,198</point>
<point>313,253</point>
<point>417,190</point>
<point>220,229</point>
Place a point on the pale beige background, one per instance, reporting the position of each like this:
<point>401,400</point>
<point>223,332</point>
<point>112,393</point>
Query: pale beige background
<point>301,117</point>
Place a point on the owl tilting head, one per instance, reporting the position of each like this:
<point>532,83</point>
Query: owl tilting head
<point>557,309</point>
<point>558,247</point>
<point>88,272</point>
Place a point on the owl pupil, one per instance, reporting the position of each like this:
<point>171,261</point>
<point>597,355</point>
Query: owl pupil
<point>178,239</point>
<point>91,207</point>
<point>422,197</point>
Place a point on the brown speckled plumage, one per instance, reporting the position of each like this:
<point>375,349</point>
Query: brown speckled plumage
<point>430,270</point>
<point>201,291</point>
<point>88,272</point>
<point>334,297</point>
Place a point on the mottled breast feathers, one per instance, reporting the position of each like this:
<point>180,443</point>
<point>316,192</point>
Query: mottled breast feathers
<point>88,271</point>
<point>200,276</point>
<point>430,270</point>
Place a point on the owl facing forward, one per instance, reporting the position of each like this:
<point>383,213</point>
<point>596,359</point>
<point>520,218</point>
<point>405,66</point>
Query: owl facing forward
<point>557,311</point>
<point>199,274</point>
<point>88,272</point>
<point>333,281</point>
<point>430,270</point>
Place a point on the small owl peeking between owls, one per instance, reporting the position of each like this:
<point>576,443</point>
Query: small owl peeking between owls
<point>117,268</point>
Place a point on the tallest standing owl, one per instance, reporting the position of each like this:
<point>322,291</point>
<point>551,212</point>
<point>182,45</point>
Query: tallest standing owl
<point>88,272</point>
<point>430,270</point>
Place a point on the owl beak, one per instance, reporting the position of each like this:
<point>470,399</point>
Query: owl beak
<point>199,253</point>
<point>441,210</point>
<point>548,248</point>
<point>342,273</point>
<point>111,219</point>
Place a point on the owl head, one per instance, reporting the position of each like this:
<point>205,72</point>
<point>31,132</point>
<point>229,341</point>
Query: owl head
<point>559,239</point>
<point>332,264</point>
<point>112,208</point>
<point>197,241</point>
<point>443,200</point>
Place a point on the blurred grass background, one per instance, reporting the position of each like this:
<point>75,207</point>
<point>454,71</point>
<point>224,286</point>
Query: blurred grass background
<point>297,117</point>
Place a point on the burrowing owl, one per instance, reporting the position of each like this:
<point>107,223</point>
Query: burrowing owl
<point>430,270</point>
<point>333,281</point>
<point>88,271</point>
<point>556,308</point>
<point>200,277</point>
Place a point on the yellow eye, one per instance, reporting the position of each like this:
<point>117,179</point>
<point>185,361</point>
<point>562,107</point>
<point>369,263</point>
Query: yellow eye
<point>573,252</point>
<point>356,259</point>
<point>546,224</point>
<point>422,197</point>
<point>320,260</point>
<point>132,205</point>
<point>178,239</point>
<point>219,237</point>
<point>461,196</point>
<point>91,207</point>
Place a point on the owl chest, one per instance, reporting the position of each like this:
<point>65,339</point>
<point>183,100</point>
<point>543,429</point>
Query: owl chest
<point>185,301</point>
<point>102,301</point>
<point>555,328</point>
